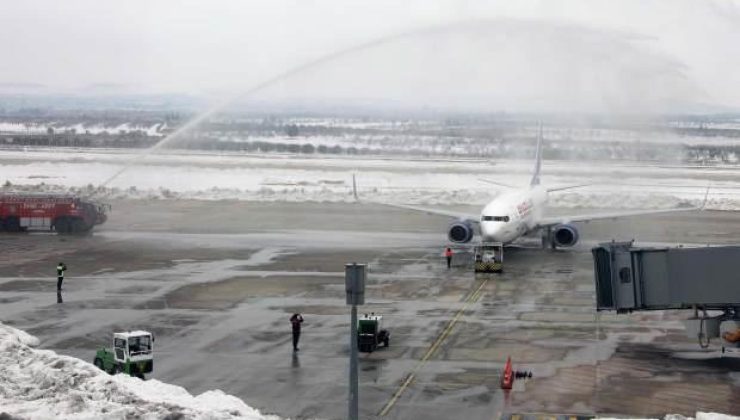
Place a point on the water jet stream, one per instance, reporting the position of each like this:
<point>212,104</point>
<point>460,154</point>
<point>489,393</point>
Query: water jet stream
<point>291,72</point>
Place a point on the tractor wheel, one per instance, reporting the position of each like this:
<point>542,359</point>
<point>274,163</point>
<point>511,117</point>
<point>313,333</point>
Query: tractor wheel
<point>114,369</point>
<point>99,363</point>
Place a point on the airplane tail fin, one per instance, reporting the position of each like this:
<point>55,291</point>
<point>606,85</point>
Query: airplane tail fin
<point>538,160</point>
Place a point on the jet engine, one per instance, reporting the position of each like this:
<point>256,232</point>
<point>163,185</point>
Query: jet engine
<point>461,231</point>
<point>564,235</point>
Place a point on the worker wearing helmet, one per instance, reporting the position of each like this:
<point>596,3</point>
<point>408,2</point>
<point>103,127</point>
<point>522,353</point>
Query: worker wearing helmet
<point>61,268</point>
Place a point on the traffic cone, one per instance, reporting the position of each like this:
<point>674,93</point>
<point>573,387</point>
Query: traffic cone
<point>507,379</point>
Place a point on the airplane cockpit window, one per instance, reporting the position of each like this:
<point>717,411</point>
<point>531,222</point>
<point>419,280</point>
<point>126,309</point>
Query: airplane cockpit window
<point>495,218</point>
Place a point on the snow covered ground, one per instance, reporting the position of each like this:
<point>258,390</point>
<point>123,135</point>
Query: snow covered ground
<point>40,384</point>
<point>280,177</point>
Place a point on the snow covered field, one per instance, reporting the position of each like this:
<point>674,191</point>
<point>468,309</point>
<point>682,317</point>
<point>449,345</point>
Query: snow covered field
<point>281,177</point>
<point>40,384</point>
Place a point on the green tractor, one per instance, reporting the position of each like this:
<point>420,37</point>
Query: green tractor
<point>370,333</point>
<point>131,354</point>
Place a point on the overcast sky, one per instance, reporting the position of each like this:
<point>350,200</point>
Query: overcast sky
<point>527,54</point>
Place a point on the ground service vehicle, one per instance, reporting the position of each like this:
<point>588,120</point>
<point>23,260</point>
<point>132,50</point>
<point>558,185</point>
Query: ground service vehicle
<point>489,257</point>
<point>66,214</point>
<point>132,354</point>
<point>370,333</point>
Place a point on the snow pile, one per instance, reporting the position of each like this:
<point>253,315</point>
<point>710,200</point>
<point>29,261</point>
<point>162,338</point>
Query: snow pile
<point>40,384</point>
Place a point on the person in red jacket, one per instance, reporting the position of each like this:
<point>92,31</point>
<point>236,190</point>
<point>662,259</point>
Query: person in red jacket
<point>448,255</point>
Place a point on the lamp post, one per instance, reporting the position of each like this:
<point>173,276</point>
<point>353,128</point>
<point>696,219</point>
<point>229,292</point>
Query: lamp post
<point>354,282</point>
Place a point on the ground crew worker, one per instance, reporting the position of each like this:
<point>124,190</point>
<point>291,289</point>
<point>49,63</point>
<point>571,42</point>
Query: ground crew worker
<point>296,321</point>
<point>448,255</point>
<point>61,268</point>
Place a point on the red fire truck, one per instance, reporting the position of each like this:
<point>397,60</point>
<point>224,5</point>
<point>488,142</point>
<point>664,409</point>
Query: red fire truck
<point>65,214</point>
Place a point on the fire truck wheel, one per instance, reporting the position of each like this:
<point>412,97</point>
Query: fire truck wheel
<point>76,226</point>
<point>12,224</point>
<point>61,225</point>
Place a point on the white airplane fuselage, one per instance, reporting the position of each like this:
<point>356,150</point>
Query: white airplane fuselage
<point>512,214</point>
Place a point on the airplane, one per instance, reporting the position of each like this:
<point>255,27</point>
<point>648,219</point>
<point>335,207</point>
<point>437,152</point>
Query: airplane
<point>520,212</point>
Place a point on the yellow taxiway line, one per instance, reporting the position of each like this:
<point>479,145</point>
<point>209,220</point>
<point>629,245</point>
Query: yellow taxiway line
<point>433,348</point>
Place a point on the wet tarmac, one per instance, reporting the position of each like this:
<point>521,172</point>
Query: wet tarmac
<point>218,290</point>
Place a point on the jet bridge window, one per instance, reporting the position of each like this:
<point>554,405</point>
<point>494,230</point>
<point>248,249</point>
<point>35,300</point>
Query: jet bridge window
<point>495,218</point>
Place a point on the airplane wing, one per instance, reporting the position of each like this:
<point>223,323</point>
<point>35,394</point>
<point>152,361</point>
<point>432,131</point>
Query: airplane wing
<point>500,184</point>
<point>567,187</point>
<point>437,212</point>
<point>551,221</point>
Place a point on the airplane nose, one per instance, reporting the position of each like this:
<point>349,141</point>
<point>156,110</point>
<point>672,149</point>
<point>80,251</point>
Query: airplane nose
<point>488,231</point>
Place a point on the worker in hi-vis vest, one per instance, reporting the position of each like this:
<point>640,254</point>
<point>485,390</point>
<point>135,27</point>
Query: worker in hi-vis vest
<point>61,268</point>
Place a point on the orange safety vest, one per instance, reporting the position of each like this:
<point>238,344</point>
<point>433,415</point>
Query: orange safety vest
<point>448,252</point>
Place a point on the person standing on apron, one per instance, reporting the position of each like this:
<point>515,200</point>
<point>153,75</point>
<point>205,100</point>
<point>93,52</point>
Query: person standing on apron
<point>448,255</point>
<point>61,268</point>
<point>296,320</point>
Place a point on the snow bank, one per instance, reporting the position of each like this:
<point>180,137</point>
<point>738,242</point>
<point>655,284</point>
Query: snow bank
<point>40,384</point>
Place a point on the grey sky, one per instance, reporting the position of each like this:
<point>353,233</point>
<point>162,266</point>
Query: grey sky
<point>530,54</point>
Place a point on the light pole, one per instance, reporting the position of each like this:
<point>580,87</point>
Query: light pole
<point>354,282</point>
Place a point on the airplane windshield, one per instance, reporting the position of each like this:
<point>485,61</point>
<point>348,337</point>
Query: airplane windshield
<point>495,218</point>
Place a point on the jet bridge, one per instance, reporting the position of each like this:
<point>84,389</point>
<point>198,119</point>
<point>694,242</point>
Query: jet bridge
<point>630,278</point>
